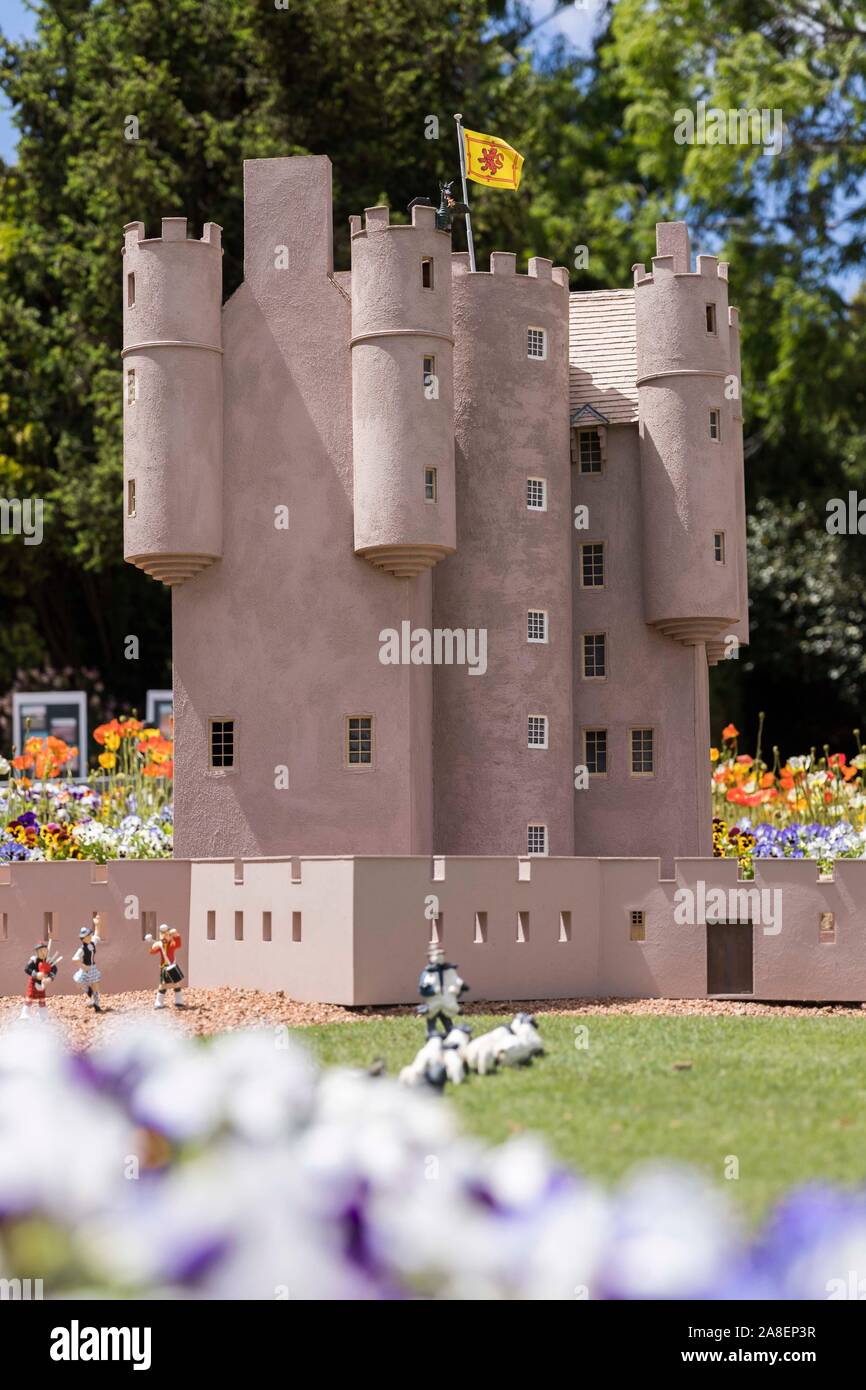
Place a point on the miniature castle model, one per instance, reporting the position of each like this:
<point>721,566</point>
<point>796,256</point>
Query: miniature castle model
<point>436,539</point>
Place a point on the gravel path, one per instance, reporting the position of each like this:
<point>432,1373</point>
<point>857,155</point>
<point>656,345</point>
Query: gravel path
<point>217,1010</point>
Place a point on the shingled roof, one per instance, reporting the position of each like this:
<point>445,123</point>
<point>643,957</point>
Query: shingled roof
<point>601,352</point>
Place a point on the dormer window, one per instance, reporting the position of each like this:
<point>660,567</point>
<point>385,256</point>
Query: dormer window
<point>588,451</point>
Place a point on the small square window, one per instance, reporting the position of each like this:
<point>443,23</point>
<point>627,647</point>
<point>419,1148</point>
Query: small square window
<point>589,451</point>
<point>130,290</point>
<point>594,656</point>
<point>711,318</point>
<point>130,497</point>
<point>536,494</point>
<point>592,565</point>
<point>827,929</point>
<point>427,272</point>
<point>536,625</point>
<point>715,424</point>
<point>536,731</point>
<point>131,396</point>
<point>536,343</point>
<point>642,752</point>
<point>637,926</point>
<point>359,740</point>
<point>430,485</point>
<point>536,839</point>
<point>719,547</point>
<point>221,737</point>
<point>595,751</point>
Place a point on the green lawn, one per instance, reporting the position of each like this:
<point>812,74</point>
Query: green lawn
<point>786,1096</point>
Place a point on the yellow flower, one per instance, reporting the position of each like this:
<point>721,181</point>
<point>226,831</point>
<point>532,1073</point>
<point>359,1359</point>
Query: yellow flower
<point>714,755</point>
<point>112,743</point>
<point>107,760</point>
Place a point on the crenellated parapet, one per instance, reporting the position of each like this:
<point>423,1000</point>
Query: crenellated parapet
<point>172,394</point>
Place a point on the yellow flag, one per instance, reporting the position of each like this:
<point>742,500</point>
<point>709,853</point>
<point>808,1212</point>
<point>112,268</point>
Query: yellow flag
<point>491,161</point>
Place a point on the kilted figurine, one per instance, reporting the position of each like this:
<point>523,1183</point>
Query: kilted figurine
<point>170,973</point>
<point>88,973</point>
<point>440,987</point>
<point>39,970</point>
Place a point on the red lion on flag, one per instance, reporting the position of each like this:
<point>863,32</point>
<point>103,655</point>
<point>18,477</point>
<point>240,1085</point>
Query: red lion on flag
<point>491,160</point>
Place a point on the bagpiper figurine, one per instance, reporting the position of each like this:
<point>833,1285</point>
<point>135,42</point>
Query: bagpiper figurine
<point>170,973</point>
<point>88,973</point>
<point>40,970</point>
<point>440,987</point>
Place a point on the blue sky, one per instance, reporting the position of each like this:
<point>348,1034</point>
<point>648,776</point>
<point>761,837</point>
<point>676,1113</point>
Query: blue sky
<point>16,21</point>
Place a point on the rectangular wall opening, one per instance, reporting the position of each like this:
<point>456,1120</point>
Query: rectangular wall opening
<point>239,871</point>
<point>437,928</point>
<point>827,929</point>
<point>730,958</point>
<point>480,937</point>
<point>211,926</point>
<point>565,926</point>
<point>148,924</point>
<point>99,873</point>
<point>523,927</point>
<point>4,926</point>
<point>239,926</point>
<point>48,925</point>
<point>296,926</point>
<point>266,926</point>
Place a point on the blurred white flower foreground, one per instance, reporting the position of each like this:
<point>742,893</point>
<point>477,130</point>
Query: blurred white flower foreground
<point>159,1166</point>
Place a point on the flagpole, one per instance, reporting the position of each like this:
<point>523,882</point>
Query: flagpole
<point>458,116</point>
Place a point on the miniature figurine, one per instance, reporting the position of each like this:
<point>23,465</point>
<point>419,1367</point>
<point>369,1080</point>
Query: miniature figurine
<point>511,1044</point>
<point>170,973</point>
<point>448,208</point>
<point>440,987</point>
<point>88,972</point>
<point>40,970</point>
<point>428,1067</point>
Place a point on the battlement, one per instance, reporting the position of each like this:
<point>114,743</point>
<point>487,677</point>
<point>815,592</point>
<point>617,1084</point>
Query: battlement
<point>173,229</point>
<point>503,263</point>
<point>378,219</point>
<point>674,257</point>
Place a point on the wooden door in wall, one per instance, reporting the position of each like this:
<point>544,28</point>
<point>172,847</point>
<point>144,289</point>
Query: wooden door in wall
<point>730,958</point>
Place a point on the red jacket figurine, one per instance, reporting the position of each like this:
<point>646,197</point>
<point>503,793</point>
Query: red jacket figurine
<point>40,970</point>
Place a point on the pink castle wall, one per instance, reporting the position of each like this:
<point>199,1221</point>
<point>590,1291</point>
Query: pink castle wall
<point>317,381</point>
<point>355,930</point>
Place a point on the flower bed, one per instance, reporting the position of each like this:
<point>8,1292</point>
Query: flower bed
<point>124,812</point>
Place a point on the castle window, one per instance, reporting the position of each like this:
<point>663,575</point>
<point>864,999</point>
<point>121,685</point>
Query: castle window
<point>130,289</point>
<point>715,424</point>
<point>536,625</point>
<point>536,838</point>
<point>130,497</point>
<point>592,565</point>
<point>594,656</point>
<point>595,751</point>
<point>827,929</point>
<point>428,376</point>
<point>131,394</point>
<point>221,738</point>
<point>359,740</point>
<point>536,731</point>
<point>427,272</point>
<point>642,753</point>
<point>589,451</point>
<point>536,494</point>
<point>637,926</point>
<point>711,319</point>
<point>430,485</point>
<point>536,343</point>
<point>719,547</point>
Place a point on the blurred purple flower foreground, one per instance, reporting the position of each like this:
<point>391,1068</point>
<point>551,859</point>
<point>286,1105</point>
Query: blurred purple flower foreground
<point>160,1166</point>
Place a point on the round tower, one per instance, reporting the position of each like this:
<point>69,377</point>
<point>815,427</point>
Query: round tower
<point>172,394</point>
<point>688,442</point>
<point>402,392</point>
